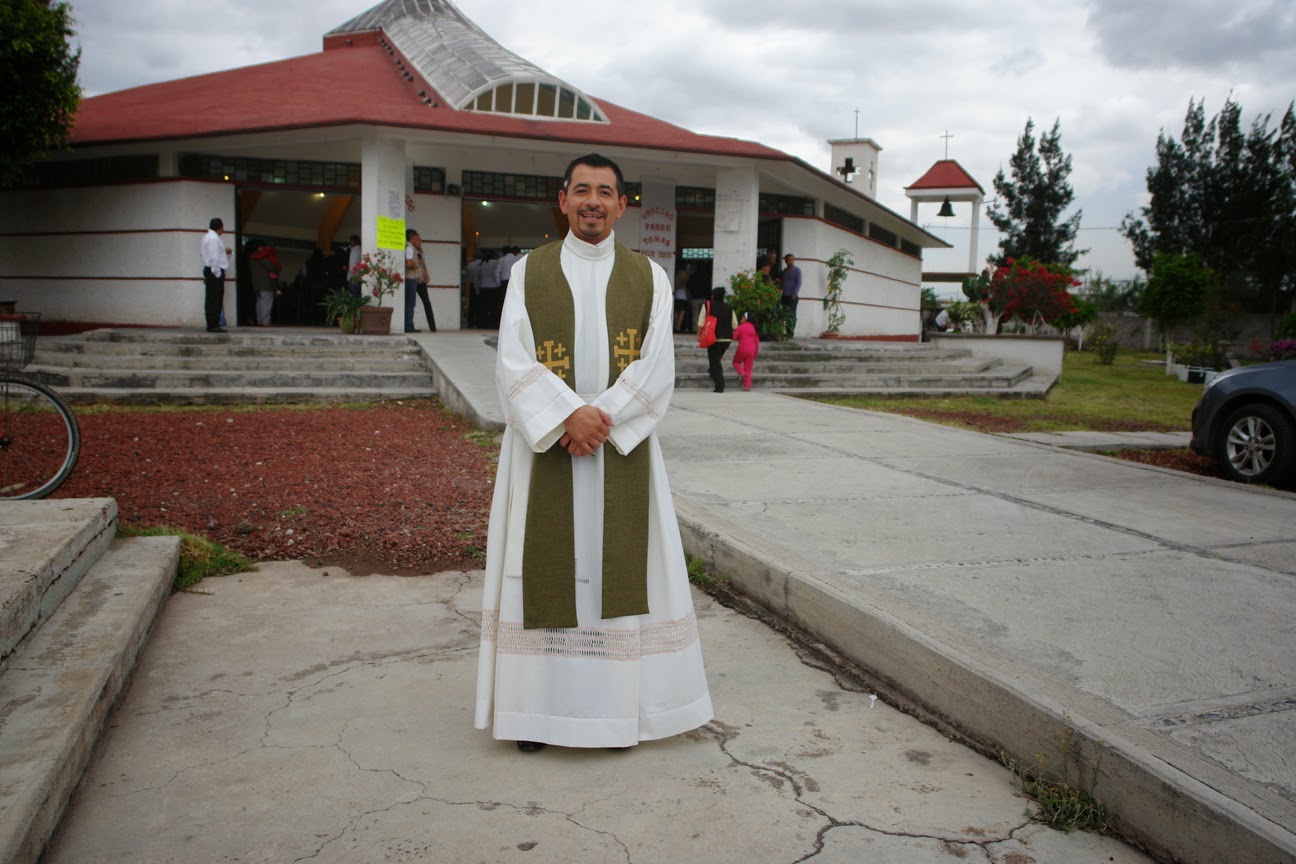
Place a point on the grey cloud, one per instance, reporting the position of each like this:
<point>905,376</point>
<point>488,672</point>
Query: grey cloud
<point>1196,34</point>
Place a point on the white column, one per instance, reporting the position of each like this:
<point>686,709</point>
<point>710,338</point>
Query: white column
<point>973,263</point>
<point>382,193</point>
<point>913,210</point>
<point>737,199</point>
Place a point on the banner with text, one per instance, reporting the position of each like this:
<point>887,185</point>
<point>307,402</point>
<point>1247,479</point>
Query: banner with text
<point>657,224</point>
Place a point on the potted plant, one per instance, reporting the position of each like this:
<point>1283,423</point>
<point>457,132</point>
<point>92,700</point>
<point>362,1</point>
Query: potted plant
<point>757,295</point>
<point>342,306</point>
<point>383,275</point>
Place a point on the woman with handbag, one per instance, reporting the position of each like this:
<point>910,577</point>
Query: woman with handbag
<point>716,324</point>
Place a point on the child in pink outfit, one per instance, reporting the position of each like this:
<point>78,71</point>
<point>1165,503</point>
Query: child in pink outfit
<point>748,347</point>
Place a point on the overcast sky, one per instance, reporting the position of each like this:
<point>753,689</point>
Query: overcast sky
<point>790,75</point>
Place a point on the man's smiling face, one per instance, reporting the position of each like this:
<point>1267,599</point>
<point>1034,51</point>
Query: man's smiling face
<point>591,202</point>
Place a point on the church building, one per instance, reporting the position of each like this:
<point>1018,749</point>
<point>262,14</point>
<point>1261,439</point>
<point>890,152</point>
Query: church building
<point>412,116</point>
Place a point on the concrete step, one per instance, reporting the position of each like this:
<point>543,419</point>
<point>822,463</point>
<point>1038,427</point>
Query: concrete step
<point>46,547</point>
<point>366,362</point>
<point>47,349</point>
<point>783,366</point>
<point>166,379</point>
<point>241,395</point>
<point>300,337</point>
<point>999,377</point>
<point>60,687</point>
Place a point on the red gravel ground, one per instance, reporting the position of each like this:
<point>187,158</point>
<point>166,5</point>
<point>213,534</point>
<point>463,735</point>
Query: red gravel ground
<point>400,487</point>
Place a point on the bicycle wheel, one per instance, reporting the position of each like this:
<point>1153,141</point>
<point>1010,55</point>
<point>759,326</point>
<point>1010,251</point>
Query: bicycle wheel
<point>39,439</point>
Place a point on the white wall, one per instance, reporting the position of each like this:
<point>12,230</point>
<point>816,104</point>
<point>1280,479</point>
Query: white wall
<point>112,254</point>
<point>882,291</point>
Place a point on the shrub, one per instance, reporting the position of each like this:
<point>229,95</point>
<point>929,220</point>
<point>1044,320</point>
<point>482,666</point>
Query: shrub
<point>1286,328</point>
<point>1105,345</point>
<point>758,296</point>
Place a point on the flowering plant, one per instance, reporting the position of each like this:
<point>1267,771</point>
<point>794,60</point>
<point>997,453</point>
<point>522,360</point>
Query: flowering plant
<point>1283,349</point>
<point>381,273</point>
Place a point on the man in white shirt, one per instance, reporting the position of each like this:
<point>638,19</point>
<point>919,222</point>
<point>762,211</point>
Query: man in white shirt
<point>215,258</point>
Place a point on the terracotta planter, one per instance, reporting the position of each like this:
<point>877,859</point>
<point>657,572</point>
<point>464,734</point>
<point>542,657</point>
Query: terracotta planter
<point>376,320</point>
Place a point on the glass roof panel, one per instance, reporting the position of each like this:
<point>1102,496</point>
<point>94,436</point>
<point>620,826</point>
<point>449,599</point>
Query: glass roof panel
<point>456,56</point>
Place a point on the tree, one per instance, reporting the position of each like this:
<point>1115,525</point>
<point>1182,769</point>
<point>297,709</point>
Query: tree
<point>1175,292</point>
<point>38,84</point>
<point>1029,207</point>
<point>1229,196</point>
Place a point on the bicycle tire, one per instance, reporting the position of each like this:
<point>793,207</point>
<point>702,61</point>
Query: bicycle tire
<point>39,439</point>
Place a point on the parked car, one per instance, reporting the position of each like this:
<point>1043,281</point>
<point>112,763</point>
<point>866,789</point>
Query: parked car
<point>1246,421</point>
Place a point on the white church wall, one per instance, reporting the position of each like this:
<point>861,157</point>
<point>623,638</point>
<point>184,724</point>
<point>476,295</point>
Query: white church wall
<point>882,290</point>
<point>112,254</point>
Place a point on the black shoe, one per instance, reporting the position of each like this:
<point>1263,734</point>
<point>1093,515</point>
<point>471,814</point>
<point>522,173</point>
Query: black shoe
<point>530,746</point>
<point>411,330</point>
<point>217,330</point>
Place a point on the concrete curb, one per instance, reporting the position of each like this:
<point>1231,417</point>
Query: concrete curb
<point>1156,804</point>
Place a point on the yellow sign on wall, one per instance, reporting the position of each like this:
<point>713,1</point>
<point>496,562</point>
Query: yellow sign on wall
<point>391,233</point>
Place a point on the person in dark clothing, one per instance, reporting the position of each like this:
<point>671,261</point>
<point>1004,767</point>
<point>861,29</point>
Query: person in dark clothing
<point>726,321</point>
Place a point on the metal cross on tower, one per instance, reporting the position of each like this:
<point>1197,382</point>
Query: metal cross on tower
<point>947,136</point>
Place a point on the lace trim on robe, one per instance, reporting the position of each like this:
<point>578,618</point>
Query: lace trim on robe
<point>597,643</point>
<point>537,372</point>
<point>638,393</point>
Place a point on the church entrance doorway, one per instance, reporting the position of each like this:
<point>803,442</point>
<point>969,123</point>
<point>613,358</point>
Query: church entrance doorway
<point>309,230</point>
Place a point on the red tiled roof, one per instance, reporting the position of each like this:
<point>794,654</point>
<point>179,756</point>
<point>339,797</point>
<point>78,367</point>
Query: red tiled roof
<point>946,174</point>
<point>350,85</point>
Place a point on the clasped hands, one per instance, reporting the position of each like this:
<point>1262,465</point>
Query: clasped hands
<point>587,428</point>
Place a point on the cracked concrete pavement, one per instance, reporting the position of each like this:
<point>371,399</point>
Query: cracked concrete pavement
<point>298,714</point>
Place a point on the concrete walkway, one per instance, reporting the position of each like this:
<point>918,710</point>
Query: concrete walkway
<point>294,715</point>
<point>1132,623</point>
<point>1023,592</point>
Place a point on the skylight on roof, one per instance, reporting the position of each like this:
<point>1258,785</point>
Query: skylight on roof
<point>470,70</point>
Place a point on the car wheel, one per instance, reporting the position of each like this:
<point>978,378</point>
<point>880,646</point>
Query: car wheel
<point>1257,444</point>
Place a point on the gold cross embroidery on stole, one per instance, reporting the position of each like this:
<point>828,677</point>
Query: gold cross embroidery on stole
<point>553,355</point>
<point>628,352</point>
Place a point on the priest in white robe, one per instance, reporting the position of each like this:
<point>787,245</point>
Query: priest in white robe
<point>601,677</point>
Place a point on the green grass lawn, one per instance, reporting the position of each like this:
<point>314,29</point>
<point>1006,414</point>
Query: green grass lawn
<point>1127,396</point>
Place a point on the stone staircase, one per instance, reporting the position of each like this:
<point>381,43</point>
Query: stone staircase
<point>175,367</point>
<point>843,368</point>
<point>77,605</point>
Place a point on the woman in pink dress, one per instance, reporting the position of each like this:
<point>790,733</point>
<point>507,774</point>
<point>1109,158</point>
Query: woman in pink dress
<point>748,347</point>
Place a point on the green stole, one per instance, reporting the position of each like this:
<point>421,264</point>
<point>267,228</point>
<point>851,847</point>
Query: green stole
<point>548,547</point>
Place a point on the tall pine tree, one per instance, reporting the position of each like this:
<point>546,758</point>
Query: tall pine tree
<point>1029,207</point>
<point>1228,195</point>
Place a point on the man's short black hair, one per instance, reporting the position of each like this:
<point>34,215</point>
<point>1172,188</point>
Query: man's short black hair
<point>409,232</point>
<point>594,160</point>
<point>216,224</point>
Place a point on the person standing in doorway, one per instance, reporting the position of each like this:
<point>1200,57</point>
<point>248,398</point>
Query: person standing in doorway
<point>726,321</point>
<point>215,258</point>
<point>413,273</point>
<point>421,285</point>
<point>791,291</point>
<point>588,632</point>
<point>353,261</point>
<point>504,272</point>
<point>488,290</point>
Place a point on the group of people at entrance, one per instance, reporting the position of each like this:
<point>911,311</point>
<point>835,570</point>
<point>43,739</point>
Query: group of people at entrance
<point>487,276</point>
